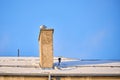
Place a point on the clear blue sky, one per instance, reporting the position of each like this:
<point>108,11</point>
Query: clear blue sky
<point>84,29</point>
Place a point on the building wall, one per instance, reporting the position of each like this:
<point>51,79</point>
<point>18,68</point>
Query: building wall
<point>56,78</point>
<point>46,48</point>
<point>90,78</point>
<point>22,78</point>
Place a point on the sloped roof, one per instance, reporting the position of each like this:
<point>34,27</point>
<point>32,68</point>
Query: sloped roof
<point>29,66</point>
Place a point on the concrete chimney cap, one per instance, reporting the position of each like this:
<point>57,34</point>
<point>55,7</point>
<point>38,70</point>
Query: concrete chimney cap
<point>43,27</point>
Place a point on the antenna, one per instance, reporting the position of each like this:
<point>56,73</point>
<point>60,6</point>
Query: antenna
<point>18,52</point>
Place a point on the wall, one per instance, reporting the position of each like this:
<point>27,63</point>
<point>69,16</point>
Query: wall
<point>56,78</point>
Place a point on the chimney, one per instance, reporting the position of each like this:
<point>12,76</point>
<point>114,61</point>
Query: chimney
<point>46,47</point>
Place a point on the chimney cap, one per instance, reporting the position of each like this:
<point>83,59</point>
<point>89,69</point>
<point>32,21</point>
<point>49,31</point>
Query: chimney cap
<point>44,28</point>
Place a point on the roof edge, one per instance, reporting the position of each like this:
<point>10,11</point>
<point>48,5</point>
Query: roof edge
<point>59,75</point>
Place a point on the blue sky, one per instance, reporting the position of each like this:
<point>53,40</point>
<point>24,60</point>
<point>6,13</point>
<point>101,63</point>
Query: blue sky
<point>84,29</point>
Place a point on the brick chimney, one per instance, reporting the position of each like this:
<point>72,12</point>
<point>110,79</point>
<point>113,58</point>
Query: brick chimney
<point>46,47</point>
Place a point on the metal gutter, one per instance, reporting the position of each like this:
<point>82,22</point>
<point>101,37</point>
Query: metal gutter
<point>57,74</point>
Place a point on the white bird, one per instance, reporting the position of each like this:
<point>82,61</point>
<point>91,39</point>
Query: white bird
<point>43,27</point>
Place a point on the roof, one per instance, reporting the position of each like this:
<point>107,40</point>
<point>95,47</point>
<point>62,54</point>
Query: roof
<point>29,66</point>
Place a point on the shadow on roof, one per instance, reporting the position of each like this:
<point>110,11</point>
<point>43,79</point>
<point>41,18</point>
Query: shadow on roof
<point>86,63</point>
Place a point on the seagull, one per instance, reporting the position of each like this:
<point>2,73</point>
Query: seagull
<point>43,27</point>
